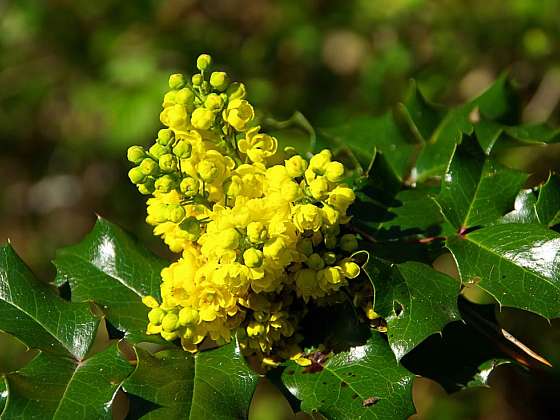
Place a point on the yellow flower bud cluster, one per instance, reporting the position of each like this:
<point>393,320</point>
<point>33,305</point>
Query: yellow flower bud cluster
<point>257,240</point>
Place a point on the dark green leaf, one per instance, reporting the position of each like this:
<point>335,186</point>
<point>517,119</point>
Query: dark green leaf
<point>363,382</point>
<point>476,190</point>
<point>3,393</point>
<point>214,384</point>
<point>421,116</point>
<point>516,263</point>
<point>111,269</point>
<point>416,213</point>
<point>462,356</point>
<point>366,135</point>
<point>494,104</point>
<point>55,387</point>
<point>533,134</point>
<point>416,301</point>
<point>31,311</point>
<point>548,203</point>
<point>523,209</point>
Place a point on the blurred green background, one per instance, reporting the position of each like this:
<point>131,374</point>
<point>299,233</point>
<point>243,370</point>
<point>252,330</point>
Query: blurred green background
<point>82,81</point>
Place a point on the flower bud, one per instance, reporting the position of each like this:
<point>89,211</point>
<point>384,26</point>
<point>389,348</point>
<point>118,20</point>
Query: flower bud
<point>348,242</point>
<point>158,212</point>
<point>191,226</point>
<point>214,102</point>
<point>149,167</point>
<point>315,261</point>
<point>184,96</point>
<point>203,62</point>
<point>188,316</point>
<point>330,241</point>
<point>350,269</point>
<point>253,258</point>
<point>153,329</point>
<point>176,81</point>
<point>165,184</point>
<point>202,118</point>
<point>334,171</point>
<point>169,322</point>
<point>169,99</point>
<point>329,258</point>
<point>168,163</point>
<point>175,213</point>
<point>219,80</point>
<point>156,150</point>
<point>156,316</point>
<point>305,246</point>
<point>135,154</point>
<point>165,136</point>
<point>136,175</point>
<point>147,187</point>
<point>329,275</point>
<point>236,91</point>
<point>189,187</point>
<point>182,149</point>
<point>296,166</point>
<point>169,336</point>
<point>197,79</point>
<point>177,116</point>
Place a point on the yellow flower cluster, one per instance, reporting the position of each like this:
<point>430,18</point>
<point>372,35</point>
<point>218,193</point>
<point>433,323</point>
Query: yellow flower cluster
<point>258,240</point>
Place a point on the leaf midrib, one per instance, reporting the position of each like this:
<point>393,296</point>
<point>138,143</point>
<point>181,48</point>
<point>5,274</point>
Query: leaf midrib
<point>490,251</point>
<point>69,253</point>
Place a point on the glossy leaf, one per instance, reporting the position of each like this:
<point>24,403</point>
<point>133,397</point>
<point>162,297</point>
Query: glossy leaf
<point>3,393</point>
<point>518,264</point>
<point>363,382</point>
<point>548,203</point>
<point>523,209</point>
<point>109,268</point>
<point>213,384</point>
<point>55,387</point>
<point>31,311</point>
<point>475,190</point>
<point>415,300</point>
<point>366,135</point>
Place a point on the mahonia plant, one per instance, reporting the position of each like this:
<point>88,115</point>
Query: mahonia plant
<point>326,273</point>
<point>260,231</point>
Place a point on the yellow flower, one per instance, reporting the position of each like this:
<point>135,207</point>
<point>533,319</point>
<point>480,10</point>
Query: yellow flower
<point>341,197</point>
<point>307,217</point>
<point>257,146</point>
<point>239,113</point>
